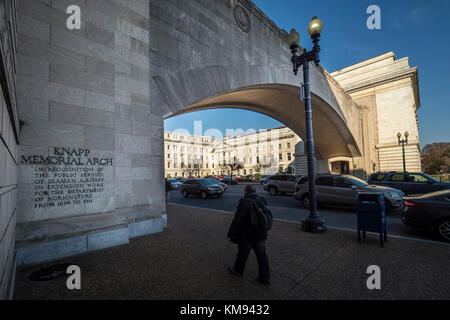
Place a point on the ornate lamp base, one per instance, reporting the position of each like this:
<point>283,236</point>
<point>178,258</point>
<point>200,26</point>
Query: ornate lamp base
<point>316,225</point>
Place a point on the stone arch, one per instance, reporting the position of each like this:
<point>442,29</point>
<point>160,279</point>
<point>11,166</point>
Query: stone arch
<point>264,89</point>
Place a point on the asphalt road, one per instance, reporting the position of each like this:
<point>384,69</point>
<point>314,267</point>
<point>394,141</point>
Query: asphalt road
<point>287,208</point>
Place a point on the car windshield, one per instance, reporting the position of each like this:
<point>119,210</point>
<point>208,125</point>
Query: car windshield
<point>431,178</point>
<point>357,181</point>
<point>302,180</point>
<point>206,182</point>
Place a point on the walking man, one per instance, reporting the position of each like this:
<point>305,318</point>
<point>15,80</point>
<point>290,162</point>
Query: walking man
<point>243,233</point>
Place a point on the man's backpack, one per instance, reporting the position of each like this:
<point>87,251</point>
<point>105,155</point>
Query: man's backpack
<point>261,217</point>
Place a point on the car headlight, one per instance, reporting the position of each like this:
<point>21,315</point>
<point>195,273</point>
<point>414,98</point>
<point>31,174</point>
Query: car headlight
<point>393,195</point>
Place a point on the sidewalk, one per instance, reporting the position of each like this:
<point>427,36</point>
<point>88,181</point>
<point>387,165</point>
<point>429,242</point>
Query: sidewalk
<point>189,261</point>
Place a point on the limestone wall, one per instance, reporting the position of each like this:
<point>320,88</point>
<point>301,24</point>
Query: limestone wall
<point>8,145</point>
<point>389,91</point>
<point>91,153</point>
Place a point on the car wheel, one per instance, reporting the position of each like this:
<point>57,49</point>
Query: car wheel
<point>273,191</point>
<point>305,200</point>
<point>443,229</point>
<point>185,193</point>
<point>204,195</point>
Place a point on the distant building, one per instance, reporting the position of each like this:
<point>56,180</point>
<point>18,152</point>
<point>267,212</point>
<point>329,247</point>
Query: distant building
<point>188,155</point>
<point>264,152</point>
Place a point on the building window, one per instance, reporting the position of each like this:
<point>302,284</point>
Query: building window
<point>280,157</point>
<point>289,146</point>
<point>289,157</point>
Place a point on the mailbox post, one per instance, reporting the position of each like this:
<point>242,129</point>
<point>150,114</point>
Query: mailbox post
<point>371,215</point>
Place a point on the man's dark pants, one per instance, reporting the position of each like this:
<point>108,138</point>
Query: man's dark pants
<point>259,247</point>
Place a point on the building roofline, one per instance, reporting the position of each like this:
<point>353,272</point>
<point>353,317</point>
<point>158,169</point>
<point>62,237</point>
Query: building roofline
<point>367,62</point>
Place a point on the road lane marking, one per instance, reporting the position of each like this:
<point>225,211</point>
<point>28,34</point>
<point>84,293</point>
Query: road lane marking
<point>329,227</point>
<point>187,206</point>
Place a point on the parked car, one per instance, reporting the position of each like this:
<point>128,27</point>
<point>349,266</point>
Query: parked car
<point>343,189</point>
<point>223,185</point>
<point>176,185</point>
<point>212,177</point>
<point>201,187</point>
<point>408,182</point>
<point>180,179</point>
<point>280,183</point>
<point>430,211</point>
<point>249,177</point>
<point>263,180</point>
<point>228,180</point>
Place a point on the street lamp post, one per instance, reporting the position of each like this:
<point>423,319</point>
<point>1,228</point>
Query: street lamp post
<point>403,142</point>
<point>313,223</point>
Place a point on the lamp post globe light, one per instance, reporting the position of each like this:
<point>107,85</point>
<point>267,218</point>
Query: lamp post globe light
<point>313,223</point>
<point>403,142</point>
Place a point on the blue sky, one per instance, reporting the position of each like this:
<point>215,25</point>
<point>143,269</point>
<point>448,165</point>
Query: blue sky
<point>416,29</point>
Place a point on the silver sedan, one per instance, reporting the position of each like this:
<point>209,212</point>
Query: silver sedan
<point>343,189</point>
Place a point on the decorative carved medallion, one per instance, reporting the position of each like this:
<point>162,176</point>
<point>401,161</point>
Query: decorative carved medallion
<point>242,19</point>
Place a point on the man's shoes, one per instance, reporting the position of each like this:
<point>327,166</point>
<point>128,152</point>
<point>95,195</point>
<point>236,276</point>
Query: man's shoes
<point>264,281</point>
<point>234,272</point>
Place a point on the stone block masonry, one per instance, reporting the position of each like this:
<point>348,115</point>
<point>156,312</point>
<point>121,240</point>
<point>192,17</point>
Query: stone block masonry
<point>84,100</point>
<point>9,125</point>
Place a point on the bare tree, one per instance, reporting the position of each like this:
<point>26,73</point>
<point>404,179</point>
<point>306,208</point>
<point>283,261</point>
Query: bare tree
<point>188,169</point>
<point>260,166</point>
<point>198,163</point>
<point>232,166</point>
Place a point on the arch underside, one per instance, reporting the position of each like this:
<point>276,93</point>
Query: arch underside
<point>332,137</point>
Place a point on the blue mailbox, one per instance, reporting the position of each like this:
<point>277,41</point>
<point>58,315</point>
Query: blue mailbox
<point>371,215</point>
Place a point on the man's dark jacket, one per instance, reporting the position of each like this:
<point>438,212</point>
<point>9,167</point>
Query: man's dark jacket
<point>240,230</point>
<point>168,186</point>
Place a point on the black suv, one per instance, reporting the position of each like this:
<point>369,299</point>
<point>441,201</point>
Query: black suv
<point>408,182</point>
<point>201,187</point>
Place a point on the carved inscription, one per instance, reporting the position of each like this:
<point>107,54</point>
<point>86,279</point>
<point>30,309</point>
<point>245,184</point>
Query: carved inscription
<point>67,177</point>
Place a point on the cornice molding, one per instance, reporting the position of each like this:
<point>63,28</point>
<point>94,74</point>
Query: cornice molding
<point>389,78</point>
<point>365,63</point>
<point>378,81</point>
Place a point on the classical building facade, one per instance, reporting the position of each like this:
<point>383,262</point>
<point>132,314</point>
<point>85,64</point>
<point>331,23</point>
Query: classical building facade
<point>263,152</point>
<point>188,155</point>
<point>389,89</point>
